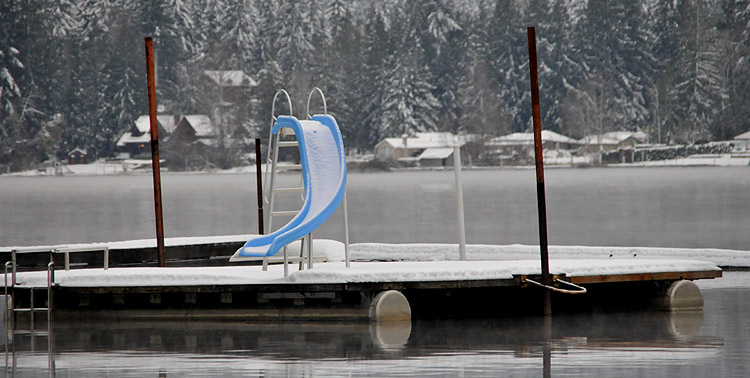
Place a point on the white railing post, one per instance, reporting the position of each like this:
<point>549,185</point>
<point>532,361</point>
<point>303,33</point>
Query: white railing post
<point>459,202</point>
<point>346,234</point>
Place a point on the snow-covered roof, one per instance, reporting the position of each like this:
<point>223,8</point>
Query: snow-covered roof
<point>615,137</point>
<point>594,139</point>
<point>79,150</point>
<point>528,138</point>
<point>129,138</point>
<point>167,121</point>
<point>436,153</point>
<point>201,124</point>
<point>230,78</point>
<point>429,140</point>
<point>743,136</point>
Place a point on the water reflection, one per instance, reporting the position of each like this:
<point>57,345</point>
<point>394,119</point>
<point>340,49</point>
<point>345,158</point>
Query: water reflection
<point>527,347</point>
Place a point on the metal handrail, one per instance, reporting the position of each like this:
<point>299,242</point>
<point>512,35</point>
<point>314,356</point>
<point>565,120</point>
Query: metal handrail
<point>67,250</point>
<point>578,289</point>
<point>7,264</point>
<point>273,145</point>
<point>325,107</point>
<point>50,282</point>
<point>16,251</point>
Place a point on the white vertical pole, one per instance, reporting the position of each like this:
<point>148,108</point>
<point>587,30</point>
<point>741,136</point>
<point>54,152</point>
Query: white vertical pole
<point>346,233</point>
<point>286,263</point>
<point>459,202</point>
<point>309,251</point>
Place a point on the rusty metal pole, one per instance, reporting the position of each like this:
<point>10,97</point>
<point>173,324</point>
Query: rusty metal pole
<point>259,181</point>
<point>540,196</point>
<point>162,253</point>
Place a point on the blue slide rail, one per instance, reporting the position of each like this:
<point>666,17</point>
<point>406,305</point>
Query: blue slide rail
<point>324,177</point>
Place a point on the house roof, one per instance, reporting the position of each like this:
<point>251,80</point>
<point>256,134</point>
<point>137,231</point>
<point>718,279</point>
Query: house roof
<point>528,138</point>
<point>201,124</point>
<point>436,153</point>
<point>615,137</point>
<point>428,140</point>
<point>230,78</point>
<point>79,150</point>
<point>129,138</point>
<point>743,136</point>
<point>143,123</point>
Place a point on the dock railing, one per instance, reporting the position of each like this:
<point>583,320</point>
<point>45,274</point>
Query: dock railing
<point>68,250</point>
<point>65,250</point>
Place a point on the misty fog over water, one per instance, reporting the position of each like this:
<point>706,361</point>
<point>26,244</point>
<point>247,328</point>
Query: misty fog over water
<point>655,207</point>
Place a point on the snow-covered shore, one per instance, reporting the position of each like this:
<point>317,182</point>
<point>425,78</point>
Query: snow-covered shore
<point>102,167</point>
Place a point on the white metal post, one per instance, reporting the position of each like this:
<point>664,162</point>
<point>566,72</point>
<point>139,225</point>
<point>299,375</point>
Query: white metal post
<point>286,262</point>
<point>346,234</point>
<point>459,202</point>
<point>309,251</point>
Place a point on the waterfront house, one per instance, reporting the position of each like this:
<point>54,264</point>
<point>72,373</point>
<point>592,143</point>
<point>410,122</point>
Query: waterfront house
<point>77,156</point>
<point>612,141</point>
<point>516,143</point>
<point>138,138</point>
<point>427,149</point>
<point>742,142</point>
<point>193,128</point>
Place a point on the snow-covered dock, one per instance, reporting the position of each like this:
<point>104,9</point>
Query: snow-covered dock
<point>332,291</point>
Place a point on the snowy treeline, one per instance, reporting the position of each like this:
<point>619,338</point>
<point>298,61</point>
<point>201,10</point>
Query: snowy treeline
<point>72,72</point>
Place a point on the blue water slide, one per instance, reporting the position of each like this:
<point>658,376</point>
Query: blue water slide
<point>323,161</point>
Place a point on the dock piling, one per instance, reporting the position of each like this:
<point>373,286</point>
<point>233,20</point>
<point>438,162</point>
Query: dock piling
<point>539,157</point>
<point>259,182</point>
<point>162,253</point>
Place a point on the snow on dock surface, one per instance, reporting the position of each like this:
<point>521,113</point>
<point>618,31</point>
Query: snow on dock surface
<point>377,262</point>
<point>435,252</point>
<point>334,250</point>
<point>360,272</point>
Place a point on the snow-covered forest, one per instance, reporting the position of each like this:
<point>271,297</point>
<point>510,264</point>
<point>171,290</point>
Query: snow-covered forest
<point>72,72</point>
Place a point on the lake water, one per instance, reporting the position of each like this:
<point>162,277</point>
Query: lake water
<point>661,207</point>
<point>712,343</point>
<point>671,207</point>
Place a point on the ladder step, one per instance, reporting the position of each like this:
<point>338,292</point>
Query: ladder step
<point>40,333</point>
<point>292,143</point>
<point>289,213</point>
<point>290,190</point>
<point>35,309</point>
<point>289,167</point>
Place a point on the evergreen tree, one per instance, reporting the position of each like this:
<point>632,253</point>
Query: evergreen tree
<point>735,117</point>
<point>444,58</point>
<point>698,88</point>
<point>508,58</point>
<point>614,54</point>
<point>10,62</point>
<point>408,105</point>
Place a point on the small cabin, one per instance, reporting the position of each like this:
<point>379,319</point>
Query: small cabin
<point>77,156</point>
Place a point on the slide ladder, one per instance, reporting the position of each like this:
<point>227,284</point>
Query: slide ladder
<point>284,139</point>
<point>323,164</point>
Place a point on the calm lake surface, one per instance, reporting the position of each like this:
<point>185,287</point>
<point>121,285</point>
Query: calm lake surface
<point>712,343</point>
<point>670,207</point>
<point>661,207</point>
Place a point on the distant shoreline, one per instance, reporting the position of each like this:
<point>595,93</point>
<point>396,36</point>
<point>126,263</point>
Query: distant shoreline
<point>100,168</point>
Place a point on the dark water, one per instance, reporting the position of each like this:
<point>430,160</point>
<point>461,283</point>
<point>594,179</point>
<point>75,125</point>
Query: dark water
<point>712,343</point>
<point>665,207</point>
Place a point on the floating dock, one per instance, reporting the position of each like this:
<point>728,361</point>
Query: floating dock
<point>364,291</point>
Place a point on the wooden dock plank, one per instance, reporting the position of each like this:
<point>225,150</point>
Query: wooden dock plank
<point>664,276</point>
